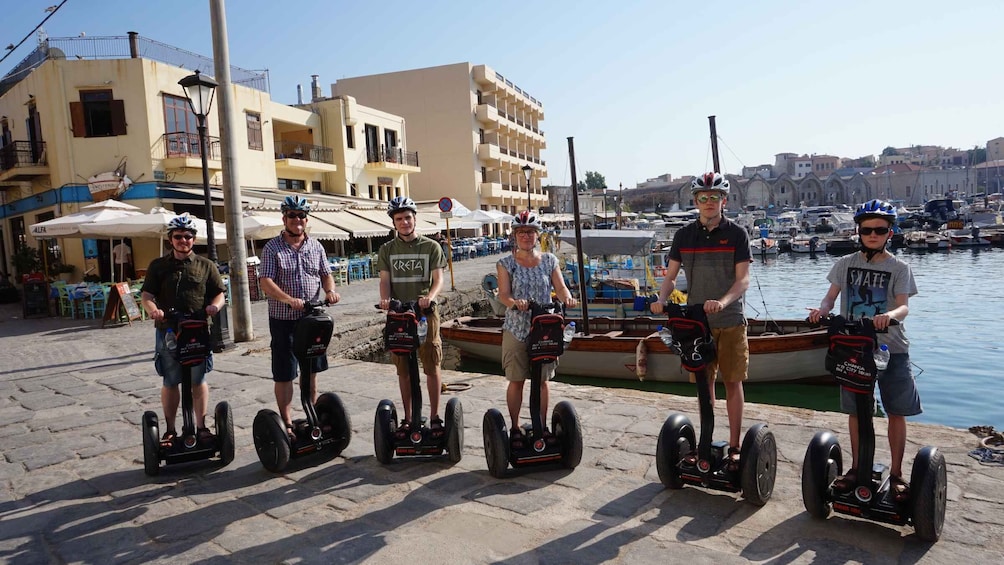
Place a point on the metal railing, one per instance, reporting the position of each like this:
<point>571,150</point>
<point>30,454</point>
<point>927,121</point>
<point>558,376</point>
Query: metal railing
<point>183,144</point>
<point>22,154</point>
<point>285,149</point>
<point>118,47</point>
<point>394,155</point>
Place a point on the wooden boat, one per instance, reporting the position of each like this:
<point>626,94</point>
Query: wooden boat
<point>808,244</point>
<point>780,350</point>
<point>926,241</point>
<point>762,246</point>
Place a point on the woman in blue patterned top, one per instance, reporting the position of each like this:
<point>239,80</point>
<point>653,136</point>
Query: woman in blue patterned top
<point>526,275</point>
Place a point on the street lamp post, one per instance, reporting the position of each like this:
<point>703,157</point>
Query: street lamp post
<point>527,171</point>
<point>604,205</point>
<point>200,90</point>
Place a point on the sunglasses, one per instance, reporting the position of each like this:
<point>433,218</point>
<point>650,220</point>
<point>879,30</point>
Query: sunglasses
<point>868,231</point>
<point>527,233</point>
<point>180,236</point>
<point>297,215</point>
<point>705,198</point>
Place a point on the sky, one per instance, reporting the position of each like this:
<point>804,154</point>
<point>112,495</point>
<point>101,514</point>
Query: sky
<point>632,81</point>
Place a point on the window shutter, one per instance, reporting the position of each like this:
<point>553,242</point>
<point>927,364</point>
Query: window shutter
<point>118,117</point>
<point>77,119</point>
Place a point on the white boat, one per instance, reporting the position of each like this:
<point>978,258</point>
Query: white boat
<point>780,351</point>
<point>763,246</point>
<point>808,244</point>
<point>921,240</point>
<point>966,238</point>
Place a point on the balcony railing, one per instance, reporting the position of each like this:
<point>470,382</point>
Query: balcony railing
<point>22,154</point>
<point>304,152</point>
<point>183,144</point>
<point>392,155</point>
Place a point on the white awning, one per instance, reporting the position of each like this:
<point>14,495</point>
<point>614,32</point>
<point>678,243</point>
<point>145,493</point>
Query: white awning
<point>215,195</point>
<point>355,226</point>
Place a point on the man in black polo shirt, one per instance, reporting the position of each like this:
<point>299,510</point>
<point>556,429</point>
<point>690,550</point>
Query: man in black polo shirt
<point>715,253</point>
<point>187,283</point>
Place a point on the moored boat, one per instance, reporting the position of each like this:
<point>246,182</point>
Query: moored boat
<point>808,244</point>
<point>780,350</point>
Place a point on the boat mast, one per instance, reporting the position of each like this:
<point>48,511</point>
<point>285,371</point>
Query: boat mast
<point>714,144</point>
<point>583,299</point>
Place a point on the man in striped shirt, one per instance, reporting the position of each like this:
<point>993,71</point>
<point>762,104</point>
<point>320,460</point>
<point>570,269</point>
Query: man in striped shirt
<point>294,268</point>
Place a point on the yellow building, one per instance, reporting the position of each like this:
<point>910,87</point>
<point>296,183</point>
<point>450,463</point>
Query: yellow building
<point>477,131</point>
<point>67,117</point>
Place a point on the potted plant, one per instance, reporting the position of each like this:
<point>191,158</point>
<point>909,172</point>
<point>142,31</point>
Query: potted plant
<point>26,261</point>
<point>63,271</point>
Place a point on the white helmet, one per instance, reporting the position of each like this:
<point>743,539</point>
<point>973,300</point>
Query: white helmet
<point>710,181</point>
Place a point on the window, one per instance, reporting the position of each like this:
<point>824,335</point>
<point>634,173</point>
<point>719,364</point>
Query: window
<point>350,137</point>
<point>254,131</point>
<point>315,186</point>
<point>178,116</point>
<point>293,184</point>
<point>97,115</point>
<point>352,190</point>
<point>371,192</point>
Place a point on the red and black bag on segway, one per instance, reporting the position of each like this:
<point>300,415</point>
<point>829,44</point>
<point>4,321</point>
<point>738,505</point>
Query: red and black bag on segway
<point>546,341</point>
<point>400,333</point>
<point>691,336</point>
<point>194,343</point>
<point>850,357</point>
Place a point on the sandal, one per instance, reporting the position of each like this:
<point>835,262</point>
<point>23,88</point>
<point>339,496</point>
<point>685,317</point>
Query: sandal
<point>516,438</point>
<point>847,482</point>
<point>167,441</point>
<point>437,428</point>
<point>690,459</point>
<point>291,432</point>
<point>549,438</point>
<point>205,435</point>
<point>732,460</point>
<point>900,490</point>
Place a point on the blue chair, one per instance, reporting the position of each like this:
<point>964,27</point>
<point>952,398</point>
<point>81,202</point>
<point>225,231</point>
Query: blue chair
<point>67,305</point>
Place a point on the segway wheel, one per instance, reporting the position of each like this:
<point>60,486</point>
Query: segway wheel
<point>225,432</point>
<point>676,439</point>
<point>929,493</point>
<point>823,463</point>
<point>383,431</point>
<point>151,444</point>
<point>565,425</point>
<point>758,464</point>
<point>496,443</point>
<point>455,430</point>
<point>331,413</point>
<point>270,440</point>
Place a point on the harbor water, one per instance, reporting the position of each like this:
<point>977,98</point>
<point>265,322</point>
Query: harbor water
<point>955,328</point>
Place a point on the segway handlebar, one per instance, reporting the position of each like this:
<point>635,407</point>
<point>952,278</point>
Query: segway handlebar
<point>399,306</point>
<point>554,305</point>
<point>831,319</point>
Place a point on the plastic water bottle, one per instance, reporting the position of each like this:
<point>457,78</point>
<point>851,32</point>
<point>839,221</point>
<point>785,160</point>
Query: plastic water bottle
<point>171,340</point>
<point>423,329</point>
<point>882,357</point>
<point>569,332</point>
<point>665,335</point>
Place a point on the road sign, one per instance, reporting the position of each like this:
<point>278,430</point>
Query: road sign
<point>445,204</point>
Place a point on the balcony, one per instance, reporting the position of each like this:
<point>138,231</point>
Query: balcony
<point>488,152</point>
<point>22,160</point>
<point>487,114</point>
<point>182,151</point>
<point>484,75</point>
<point>296,156</point>
<point>392,160</point>
<point>491,190</point>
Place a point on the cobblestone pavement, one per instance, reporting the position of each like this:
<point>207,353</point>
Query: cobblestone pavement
<point>72,488</point>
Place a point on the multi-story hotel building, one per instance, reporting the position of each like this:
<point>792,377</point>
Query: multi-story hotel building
<point>477,130</point>
<point>67,115</point>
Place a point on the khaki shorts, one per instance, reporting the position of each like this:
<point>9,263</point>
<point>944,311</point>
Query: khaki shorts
<point>516,361</point>
<point>430,353</point>
<point>733,355</point>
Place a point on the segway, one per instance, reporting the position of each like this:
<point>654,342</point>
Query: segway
<point>193,347</point>
<point>676,461</point>
<point>534,446</point>
<point>414,438</point>
<point>326,427</point>
<point>850,359</point>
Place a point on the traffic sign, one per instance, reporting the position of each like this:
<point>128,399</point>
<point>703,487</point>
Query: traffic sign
<point>445,204</point>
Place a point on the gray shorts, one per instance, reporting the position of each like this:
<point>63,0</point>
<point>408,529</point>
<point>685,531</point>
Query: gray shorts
<point>516,360</point>
<point>896,388</point>
<point>170,369</point>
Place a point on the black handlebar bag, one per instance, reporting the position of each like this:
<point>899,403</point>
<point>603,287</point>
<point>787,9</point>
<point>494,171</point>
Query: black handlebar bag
<point>194,343</point>
<point>692,339</point>
<point>400,333</point>
<point>546,341</point>
<point>312,335</point>
<point>850,357</point>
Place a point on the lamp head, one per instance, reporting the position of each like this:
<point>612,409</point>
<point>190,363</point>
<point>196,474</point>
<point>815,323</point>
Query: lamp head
<point>527,171</point>
<point>200,90</point>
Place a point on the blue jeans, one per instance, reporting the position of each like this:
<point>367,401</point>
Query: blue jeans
<point>170,369</point>
<point>896,388</point>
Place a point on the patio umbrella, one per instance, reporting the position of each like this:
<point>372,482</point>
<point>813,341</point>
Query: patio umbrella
<point>153,224</point>
<point>262,225</point>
